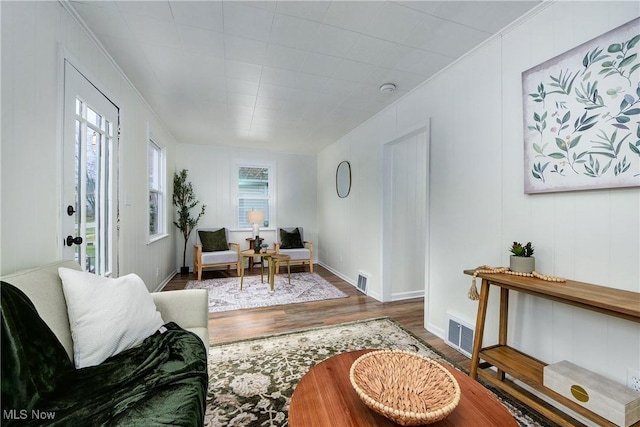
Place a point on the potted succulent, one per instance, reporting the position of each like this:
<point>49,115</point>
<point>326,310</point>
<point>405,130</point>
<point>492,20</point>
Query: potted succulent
<point>522,260</point>
<point>184,199</point>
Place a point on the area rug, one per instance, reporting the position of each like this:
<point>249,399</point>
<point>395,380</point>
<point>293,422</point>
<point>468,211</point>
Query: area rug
<point>251,382</point>
<point>225,294</point>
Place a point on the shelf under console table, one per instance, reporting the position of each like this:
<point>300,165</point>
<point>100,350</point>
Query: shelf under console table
<point>507,360</point>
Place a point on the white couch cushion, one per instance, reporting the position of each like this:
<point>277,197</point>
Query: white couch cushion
<point>107,315</point>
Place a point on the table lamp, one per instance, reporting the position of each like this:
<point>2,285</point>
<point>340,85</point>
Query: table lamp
<point>255,218</point>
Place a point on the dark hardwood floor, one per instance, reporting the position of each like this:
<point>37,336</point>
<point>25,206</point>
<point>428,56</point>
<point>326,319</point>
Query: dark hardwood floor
<point>241,324</point>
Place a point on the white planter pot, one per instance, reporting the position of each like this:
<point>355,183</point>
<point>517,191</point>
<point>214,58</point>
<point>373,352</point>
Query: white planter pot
<point>522,264</point>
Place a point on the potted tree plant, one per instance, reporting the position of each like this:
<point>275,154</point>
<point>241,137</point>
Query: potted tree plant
<point>185,200</point>
<point>522,260</point>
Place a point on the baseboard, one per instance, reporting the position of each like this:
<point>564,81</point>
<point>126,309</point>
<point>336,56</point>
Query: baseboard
<point>394,297</point>
<point>166,281</point>
<point>407,295</point>
<point>439,332</point>
<point>350,281</point>
<point>337,273</point>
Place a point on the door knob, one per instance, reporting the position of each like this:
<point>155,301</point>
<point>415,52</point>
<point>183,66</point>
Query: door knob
<point>70,210</point>
<point>74,240</point>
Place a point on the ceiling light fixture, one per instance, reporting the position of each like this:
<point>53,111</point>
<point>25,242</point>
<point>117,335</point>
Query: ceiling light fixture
<point>388,88</point>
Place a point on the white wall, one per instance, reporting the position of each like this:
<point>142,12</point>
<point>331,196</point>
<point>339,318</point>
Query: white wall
<point>477,201</point>
<point>33,35</point>
<point>211,171</point>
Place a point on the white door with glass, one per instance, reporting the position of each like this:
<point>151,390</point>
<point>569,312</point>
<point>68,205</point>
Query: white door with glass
<point>89,175</point>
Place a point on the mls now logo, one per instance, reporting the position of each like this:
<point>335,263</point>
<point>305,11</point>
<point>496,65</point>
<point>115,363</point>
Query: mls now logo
<point>23,414</point>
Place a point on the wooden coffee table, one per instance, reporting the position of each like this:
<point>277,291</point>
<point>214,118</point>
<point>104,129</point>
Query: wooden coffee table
<point>325,397</point>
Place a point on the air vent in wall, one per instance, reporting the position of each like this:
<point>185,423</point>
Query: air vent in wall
<point>363,282</point>
<point>459,335</point>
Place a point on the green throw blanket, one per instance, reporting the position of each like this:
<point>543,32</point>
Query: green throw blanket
<point>163,381</point>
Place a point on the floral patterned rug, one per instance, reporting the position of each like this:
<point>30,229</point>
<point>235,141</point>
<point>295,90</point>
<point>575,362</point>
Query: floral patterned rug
<point>225,294</point>
<point>251,382</point>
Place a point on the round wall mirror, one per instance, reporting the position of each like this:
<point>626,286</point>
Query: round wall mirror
<point>343,179</point>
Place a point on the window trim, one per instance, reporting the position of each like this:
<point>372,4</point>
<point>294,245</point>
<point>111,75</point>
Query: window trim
<point>272,191</point>
<point>153,142</point>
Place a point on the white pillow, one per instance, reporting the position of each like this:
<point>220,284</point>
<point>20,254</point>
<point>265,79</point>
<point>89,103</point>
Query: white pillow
<point>106,315</point>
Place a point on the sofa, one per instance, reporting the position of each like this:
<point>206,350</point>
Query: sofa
<point>161,380</point>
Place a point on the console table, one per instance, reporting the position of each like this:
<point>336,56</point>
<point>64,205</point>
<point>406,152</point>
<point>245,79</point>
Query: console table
<point>507,360</point>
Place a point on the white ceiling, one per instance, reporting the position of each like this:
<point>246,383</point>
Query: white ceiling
<point>284,75</point>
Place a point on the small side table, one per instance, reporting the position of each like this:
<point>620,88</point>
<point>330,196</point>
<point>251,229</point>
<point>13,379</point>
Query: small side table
<point>274,262</point>
<point>251,241</point>
<point>251,253</point>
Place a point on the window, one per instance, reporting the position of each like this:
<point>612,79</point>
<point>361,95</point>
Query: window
<point>254,192</point>
<point>157,197</point>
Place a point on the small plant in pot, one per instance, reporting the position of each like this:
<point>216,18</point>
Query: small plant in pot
<point>522,260</point>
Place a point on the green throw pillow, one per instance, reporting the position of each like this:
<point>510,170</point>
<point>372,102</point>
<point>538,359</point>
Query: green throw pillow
<point>213,241</point>
<point>290,240</point>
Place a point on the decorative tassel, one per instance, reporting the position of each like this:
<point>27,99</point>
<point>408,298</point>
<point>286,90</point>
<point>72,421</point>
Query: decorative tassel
<point>473,291</point>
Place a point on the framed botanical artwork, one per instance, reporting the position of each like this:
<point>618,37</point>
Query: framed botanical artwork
<point>582,116</point>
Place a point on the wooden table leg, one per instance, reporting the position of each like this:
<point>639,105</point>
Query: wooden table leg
<point>477,341</point>
<point>504,320</point>
<point>289,270</point>
<point>242,273</point>
<point>272,274</point>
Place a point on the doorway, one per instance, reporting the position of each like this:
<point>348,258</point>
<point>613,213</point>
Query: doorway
<point>89,182</point>
<point>405,215</point>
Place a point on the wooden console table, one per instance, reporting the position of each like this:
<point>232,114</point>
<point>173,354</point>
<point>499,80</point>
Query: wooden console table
<point>507,360</point>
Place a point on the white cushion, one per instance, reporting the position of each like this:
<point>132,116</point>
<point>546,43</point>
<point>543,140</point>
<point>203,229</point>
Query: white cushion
<point>107,316</point>
<point>296,254</point>
<point>219,257</point>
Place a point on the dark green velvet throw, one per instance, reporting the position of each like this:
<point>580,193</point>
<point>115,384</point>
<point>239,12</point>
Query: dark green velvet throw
<point>161,382</point>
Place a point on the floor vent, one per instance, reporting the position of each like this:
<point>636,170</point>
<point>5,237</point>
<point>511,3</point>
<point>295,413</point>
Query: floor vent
<point>363,281</point>
<point>459,335</point>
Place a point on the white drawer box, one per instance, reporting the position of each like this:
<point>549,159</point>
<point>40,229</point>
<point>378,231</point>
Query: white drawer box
<point>607,398</point>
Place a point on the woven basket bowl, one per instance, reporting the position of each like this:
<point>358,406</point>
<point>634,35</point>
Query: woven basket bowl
<point>404,387</point>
